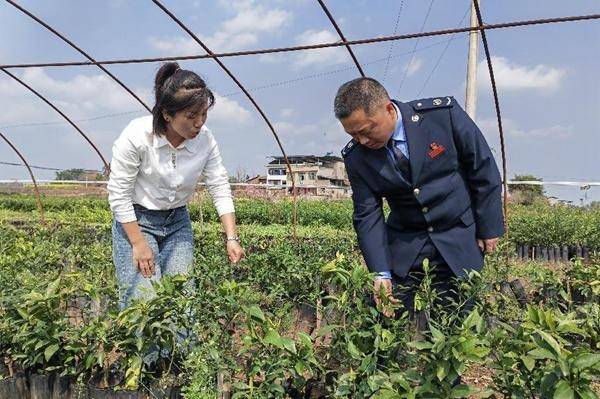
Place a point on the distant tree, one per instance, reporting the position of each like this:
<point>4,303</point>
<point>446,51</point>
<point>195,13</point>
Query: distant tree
<point>70,174</point>
<point>79,174</point>
<point>527,194</point>
<point>594,206</point>
<point>240,175</point>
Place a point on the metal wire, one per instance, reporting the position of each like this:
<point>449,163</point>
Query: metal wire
<point>94,118</point>
<point>79,50</point>
<point>412,57</point>
<point>31,166</point>
<point>339,31</point>
<point>497,105</point>
<point>35,186</point>
<point>54,107</point>
<point>249,96</point>
<point>234,93</point>
<point>503,25</point>
<point>387,63</point>
<point>437,63</point>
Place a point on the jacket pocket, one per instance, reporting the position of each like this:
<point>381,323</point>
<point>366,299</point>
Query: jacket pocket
<point>467,217</point>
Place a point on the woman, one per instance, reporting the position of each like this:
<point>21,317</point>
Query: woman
<point>156,165</point>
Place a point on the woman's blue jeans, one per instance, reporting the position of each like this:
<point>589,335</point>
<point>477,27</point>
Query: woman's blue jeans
<point>169,234</point>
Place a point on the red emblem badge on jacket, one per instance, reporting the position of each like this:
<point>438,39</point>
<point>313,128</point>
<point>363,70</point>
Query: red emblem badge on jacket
<point>436,149</point>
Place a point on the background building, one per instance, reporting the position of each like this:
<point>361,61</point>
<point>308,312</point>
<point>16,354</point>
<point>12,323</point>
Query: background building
<point>314,175</point>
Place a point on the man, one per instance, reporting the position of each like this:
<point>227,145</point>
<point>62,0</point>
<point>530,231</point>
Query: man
<point>434,167</point>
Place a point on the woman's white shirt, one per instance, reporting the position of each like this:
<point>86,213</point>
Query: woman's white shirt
<point>147,170</point>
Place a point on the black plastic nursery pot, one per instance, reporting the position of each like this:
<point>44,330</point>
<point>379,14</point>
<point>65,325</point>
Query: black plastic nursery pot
<point>14,387</point>
<point>110,393</point>
<point>519,291</point>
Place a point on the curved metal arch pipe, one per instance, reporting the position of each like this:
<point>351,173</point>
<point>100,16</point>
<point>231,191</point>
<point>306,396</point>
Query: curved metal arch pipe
<point>339,31</point>
<point>79,50</point>
<point>497,105</point>
<point>249,96</point>
<point>35,186</point>
<point>54,107</point>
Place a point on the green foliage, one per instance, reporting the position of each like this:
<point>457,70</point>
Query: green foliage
<point>540,357</point>
<point>243,324</point>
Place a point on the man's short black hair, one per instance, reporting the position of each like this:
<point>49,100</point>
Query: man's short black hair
<point>361,93</point>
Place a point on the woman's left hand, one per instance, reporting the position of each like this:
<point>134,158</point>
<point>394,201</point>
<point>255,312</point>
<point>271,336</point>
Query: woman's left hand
<point>234,251</point>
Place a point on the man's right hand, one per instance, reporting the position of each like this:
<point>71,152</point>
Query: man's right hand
<point>143,258</point>
<point>384,297</point>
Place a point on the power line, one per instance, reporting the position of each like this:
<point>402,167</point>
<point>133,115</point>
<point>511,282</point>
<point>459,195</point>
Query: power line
<point>334,71</point>
<point>385,70</point>
<point>412,57</point>
<point>437,63</point>
<point>234,93</point>
<point>31,166</point>
<point>79,120</point>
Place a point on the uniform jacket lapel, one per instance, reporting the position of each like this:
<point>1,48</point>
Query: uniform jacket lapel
<point>380,161</point>
<point>417,137</point>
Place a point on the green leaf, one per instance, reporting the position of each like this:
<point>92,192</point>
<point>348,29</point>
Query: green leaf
<point>300,367</point>
<point>541,353</point>
<point>462,391</point>
<point>133,372</point>
<point>563,391</point>
<point>353,350</point>
<point>272,337</point>
<point>528,361</point>
<point>52,287</point>
<point>420,345</point>
<point>549,339</point>
<point>255,312</point>
<point>305,339</point>
<point>437,334</point>
<point>442,370</point>
<point>89,360</point>
<point>326,329</point>
<point>586,360</point>
<point>50,350</point>
<point>289,344</point>
<point>472,319</point>
<point>586,393</point>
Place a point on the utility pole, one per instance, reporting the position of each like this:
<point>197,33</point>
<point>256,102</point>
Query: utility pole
<point>471,95</point>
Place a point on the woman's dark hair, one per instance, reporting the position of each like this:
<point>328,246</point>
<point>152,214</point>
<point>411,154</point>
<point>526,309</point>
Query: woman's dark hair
<point>177,89</point>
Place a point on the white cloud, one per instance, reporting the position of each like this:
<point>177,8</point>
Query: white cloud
<point>552,132</point>
<point>236,33</point>
<point>325,135</point>
<point>292,130</point>
<point>414,66</point>
<point>82,96</point>
<point>288,112</point>
<point>257,19</point>
<point>227,111</point>
<point>175,45</point>
<point>513,129</point>
<point>320,57</point>
<point>512,76</point>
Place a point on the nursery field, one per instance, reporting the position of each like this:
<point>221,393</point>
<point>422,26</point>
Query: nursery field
<point>295,318</point>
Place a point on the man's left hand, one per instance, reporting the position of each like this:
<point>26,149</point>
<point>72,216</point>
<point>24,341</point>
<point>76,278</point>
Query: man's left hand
<point>488,245</point>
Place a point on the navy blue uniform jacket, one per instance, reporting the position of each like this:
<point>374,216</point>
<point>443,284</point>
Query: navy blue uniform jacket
<point>453,196</point>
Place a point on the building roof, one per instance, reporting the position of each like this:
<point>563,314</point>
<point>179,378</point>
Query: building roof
<point>296,159</point>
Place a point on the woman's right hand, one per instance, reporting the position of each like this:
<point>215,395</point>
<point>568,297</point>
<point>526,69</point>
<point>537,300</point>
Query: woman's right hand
<point>143,258</point>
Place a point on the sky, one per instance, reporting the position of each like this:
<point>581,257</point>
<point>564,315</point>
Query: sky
<point>547,77</point>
